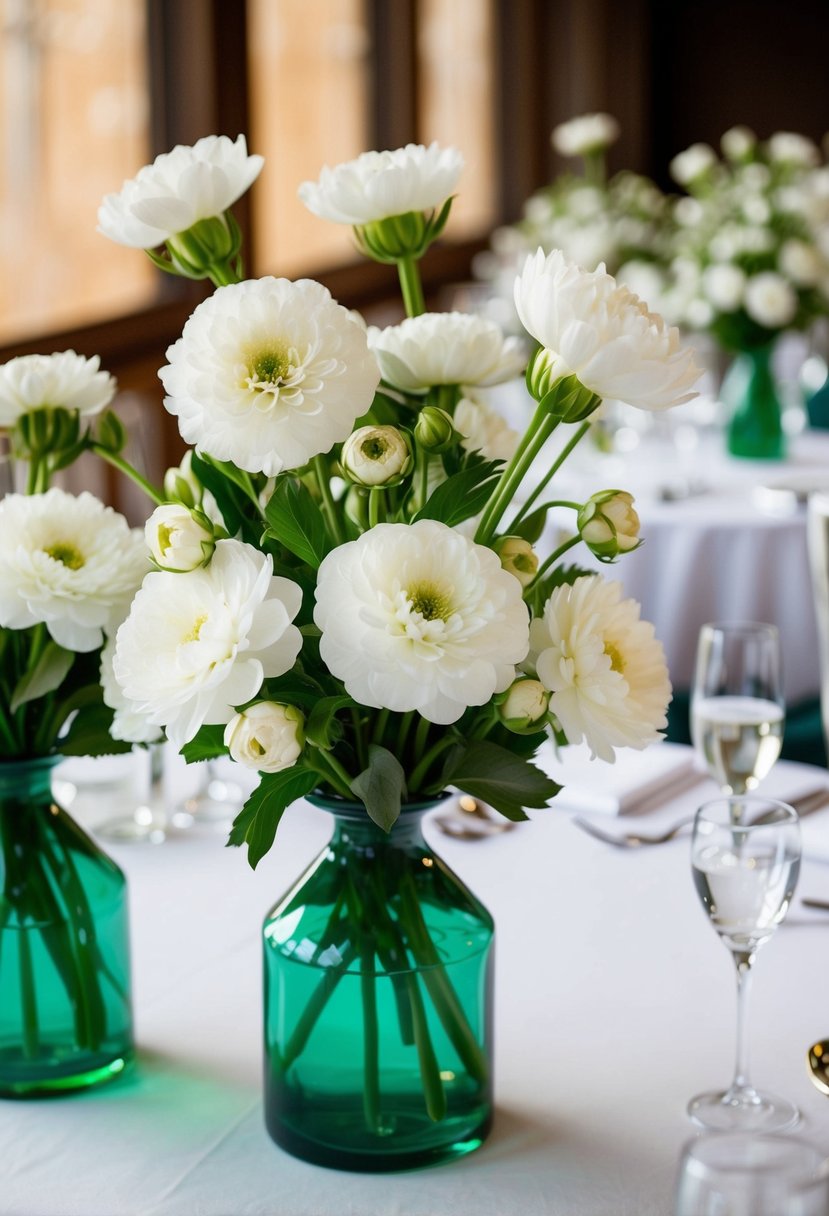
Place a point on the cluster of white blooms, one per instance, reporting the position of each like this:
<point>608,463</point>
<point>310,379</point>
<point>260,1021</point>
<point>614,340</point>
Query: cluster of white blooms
<point>61,381</point>
<point>750,243</point>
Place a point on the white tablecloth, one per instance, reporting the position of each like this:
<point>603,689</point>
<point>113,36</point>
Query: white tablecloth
<point>716,554</point>
<point>615,1003</point>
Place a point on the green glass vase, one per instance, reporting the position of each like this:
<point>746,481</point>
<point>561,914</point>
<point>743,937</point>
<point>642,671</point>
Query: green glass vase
<point>378,1003</point>
<point>65,1015</point>
<point>755,431</point>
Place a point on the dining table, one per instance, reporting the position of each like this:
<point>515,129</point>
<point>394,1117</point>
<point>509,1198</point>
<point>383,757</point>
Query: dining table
<point>614,1004</point>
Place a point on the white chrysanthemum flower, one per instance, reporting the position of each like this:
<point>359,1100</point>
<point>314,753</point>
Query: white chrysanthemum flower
<point>585,134</point>
<point>603,666</point>
<point>269,373</point>
<point>196,645</point>
<point>484,430</point>
<point>691,164</point>
<point>801,262</point>
<point>128,724</point>
<point>418,617</point>
<point>69,562</point>
<point>645,280</point>
<point>63,380</point>
<point>791,148</point>
<point>602,333</point>
<point>738,142</point>
<point>178,189</point>
<point>770,300</point>
<point>445,348</point>
<point>724,284</point>
<point>267,736</point>
<point>381,184</point>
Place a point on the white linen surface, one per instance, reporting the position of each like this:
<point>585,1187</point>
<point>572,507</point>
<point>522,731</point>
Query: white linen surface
<point>615,1004</point>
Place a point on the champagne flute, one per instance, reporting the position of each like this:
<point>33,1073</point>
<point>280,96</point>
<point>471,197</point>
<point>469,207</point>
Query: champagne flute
<point>745,857</point>
<point>737,705</point>
<point>743,1174</point>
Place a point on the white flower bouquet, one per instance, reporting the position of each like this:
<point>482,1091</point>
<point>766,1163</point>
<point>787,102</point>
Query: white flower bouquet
<point>347,596</point>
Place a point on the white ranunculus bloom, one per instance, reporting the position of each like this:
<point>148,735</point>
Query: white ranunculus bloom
<point>603,666</point>
<point>770,300</point>
<point>266,736</point>
<point>60,381</point>
<point>378,185</point>
<point>269,373</point>
<point>176,540</point>
<point>585,134</point>
<point>128,724</point>
<point>801,263</point>
<point>178,189</point>
<point>724,284</point>
<point>791,148</point>
<point>417,617</point>
<point>602,333</point>
<point>738,142</point>
<point>484,430</point>
<point>526,702</point>
<point>196,645</point>
<point>691,164</point>
<point>69,562</point>
<point>445,348</point>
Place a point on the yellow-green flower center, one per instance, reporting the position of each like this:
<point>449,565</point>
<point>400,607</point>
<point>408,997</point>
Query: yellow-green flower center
<point>374,448</point>
<point>193,635</point>
<point>617,662</point>
<point>430,601</point>
<point>164,537</point>
<point>67,555</point>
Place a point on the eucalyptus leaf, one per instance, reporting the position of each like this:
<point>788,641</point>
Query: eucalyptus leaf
<point>256,823</point>
<point>502,780</point>
<point>48,673</point>
<point>297,522</point>
<point>381,786</point>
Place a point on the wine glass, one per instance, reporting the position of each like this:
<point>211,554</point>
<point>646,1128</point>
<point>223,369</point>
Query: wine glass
<point>737,705</point>
<point>745,856</point>
<point>743,1174</point>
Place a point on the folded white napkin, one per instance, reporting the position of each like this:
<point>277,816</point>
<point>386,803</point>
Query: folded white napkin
<point>638,781</point>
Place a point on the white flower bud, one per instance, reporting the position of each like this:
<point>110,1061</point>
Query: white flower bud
<point>585,134</point>
<point>770,300</point>
<point>517,556</point>
<point>692,164</point>
<point>609,525</point>
<point>791,148</point>
<point>800,262</point>
<point>723,284</point>
<point>267,736</point>
<point>526,703</point>
<point>177,539</point>
<point>738,142</point>
<point>376,456</point>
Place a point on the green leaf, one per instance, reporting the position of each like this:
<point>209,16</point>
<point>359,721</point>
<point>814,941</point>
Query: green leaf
<point>48,673</point>
<point>206,744</point>
<point>256,823</point>
<point>88,734</point>
<point>463,495</point>
<point>291,689</point>
<point>321,725</point>
<point>499,778</point>
<point>112,433</point>
<point>227,497</point>
<point>381,786</point>
<point>531,527</point>
<point>297,521</point>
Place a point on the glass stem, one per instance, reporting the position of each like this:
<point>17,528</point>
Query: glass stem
<point>743,962</point>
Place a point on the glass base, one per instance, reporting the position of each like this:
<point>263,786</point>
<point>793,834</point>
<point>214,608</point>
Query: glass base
<point>143,826</point>
<point>754,1112</point>
<point>44,1081</point>
<point>335,1143</point>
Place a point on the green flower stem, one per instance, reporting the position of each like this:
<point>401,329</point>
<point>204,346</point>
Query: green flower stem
<point>595,172</point>
<point>31,1031</point>
<point>359,738</point>
<point>553,469</point>
<point>329,508</point>
<point>539,431</point>
<point>371,1037</point>
<point>127,469</point>
<point>34,478</point>
<point>222,273</point>
<point>554,556</point>
<point>425,461</point>
<point>380,725</point>
<point>411,286</point>
<point>423,766</point>
<point>421,735</point>
<point>375,503</point>
<point>403,731</point>
<point>433,1090</point>
<point>311,1013</point>
<point>331,770</point>
<point>439,986</point>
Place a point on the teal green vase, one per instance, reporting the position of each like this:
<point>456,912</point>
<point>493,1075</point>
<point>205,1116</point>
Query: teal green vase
<point>378,1003</point>
<point>65,1013</point>
<point>755,431</point>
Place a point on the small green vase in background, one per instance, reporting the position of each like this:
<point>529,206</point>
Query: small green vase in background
<point>378,1003</point>
<point>65,1010</point>
<point>755,431</point>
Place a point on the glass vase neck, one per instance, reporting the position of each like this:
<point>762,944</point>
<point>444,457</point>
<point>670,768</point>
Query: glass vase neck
<point>27,779</point>
<point>353,824</point>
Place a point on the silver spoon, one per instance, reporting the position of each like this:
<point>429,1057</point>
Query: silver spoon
<point>632,840</point>
<point>473,823</point>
